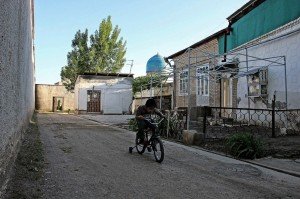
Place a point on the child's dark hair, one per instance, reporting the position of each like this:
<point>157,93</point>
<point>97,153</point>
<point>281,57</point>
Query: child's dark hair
<point>151,103</point>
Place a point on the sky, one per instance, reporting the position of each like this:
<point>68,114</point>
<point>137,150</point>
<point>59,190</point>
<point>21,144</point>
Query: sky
<point>148,26</point>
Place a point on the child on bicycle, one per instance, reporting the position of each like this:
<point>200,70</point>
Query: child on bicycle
<point>141,113</point>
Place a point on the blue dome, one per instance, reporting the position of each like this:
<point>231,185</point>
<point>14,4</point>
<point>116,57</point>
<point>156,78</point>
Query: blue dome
<point>155,64</point>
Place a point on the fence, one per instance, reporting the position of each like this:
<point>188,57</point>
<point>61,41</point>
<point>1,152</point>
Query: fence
<point>174,126</point>
<point>222,122</point>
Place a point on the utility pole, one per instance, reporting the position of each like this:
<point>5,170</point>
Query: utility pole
<point>131,65</point>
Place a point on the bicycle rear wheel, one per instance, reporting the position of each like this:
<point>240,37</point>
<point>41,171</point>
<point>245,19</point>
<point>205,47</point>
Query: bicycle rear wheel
<point>158,149</point>
<point>139,146</point>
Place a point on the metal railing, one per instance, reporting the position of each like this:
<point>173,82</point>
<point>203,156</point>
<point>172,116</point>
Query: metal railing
<point>222,122</point>
<point>173,127</point>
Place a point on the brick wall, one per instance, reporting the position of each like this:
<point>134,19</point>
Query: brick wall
<point>181,61</point>
<point>234,93</point>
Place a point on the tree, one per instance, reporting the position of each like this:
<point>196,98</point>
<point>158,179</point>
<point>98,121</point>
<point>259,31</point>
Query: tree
<point>145,81</point>
<point>78,60</point>
<point>105,53</point>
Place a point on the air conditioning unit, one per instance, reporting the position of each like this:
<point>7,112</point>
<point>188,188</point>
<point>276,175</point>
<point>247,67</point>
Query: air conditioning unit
<point>257,83</point>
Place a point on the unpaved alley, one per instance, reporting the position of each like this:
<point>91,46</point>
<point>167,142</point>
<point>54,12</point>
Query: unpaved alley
<point>85,159</point>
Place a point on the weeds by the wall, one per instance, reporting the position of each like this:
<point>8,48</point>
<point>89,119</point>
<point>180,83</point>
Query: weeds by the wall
<point>29,166</point>
<point>245,145</point>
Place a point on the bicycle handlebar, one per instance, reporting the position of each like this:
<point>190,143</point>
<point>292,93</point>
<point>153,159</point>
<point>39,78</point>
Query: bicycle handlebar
<point>155,123</point>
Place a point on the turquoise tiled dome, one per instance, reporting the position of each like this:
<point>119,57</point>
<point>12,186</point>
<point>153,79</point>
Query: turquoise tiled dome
<point>155,64</point>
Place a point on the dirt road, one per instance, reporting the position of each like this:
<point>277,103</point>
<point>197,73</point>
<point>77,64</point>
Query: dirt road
<point>85,159</point>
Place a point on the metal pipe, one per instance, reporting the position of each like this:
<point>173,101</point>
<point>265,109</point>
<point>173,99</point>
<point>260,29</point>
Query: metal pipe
<point>168,124</point>
<point>285,83</point>
<point>189,93</point>
<point>151,87</point>
<point>141,96</point>
<point>248,84</point>
<point>160,100</point>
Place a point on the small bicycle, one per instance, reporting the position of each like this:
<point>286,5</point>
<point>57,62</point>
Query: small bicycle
<point>154,144</point>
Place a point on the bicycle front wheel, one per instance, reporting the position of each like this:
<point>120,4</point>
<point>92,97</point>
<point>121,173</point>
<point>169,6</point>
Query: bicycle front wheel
<point>158,149</point>
<point>139,146</point>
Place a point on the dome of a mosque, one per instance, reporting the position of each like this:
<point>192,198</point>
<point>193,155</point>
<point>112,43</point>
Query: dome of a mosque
<point>155,64</point>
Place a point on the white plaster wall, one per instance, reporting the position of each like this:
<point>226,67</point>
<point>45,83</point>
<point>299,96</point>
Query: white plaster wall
<point>16,77</point>
<point>288,46</point>
<point>115,98</point>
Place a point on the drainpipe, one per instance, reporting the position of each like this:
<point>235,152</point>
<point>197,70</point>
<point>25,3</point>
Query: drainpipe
<point>220,92</point>
<point>228,30</point>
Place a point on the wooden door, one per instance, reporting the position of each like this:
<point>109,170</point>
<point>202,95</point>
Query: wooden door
<point>226,97</point>
<point>94,101</point>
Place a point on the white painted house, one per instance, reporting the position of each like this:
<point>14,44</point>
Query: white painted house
<point>280,64</point>
<point>266,50</point>
<point>103,93</point>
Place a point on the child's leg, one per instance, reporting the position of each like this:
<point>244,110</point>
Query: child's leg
<point>141,127</point>
<point>151,126</point>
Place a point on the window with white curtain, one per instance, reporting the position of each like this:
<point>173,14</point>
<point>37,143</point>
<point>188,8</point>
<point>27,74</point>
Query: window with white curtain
<point>203,80</point>
<point>183,82</point>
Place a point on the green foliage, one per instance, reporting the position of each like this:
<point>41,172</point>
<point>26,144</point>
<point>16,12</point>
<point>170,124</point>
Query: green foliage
<point>133,126</point>
<point>245,145</point>
<point>78,60</point>
<point>145,81</point>
<point>105,53</point>
<point>175,128</point>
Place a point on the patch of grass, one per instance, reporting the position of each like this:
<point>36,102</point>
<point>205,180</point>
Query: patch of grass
<point>245,145</point>
<point>29,166</point>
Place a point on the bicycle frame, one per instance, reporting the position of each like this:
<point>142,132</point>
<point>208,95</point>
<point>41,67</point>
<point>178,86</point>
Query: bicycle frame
<point>151,143</point>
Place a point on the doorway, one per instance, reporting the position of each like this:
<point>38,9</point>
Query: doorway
<point>58,103</point>
<point>226,97</point>
<point>226,93</point>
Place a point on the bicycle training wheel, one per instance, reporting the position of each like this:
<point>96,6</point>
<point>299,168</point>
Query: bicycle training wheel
<point>158,149</point>
<point>139,146</point>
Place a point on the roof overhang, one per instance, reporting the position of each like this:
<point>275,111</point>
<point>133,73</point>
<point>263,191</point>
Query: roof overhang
<point>109,74</point>
<point>245,9</point>
<point>249,72</point>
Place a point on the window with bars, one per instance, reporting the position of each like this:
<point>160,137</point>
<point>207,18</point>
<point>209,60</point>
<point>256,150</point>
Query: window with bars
<point>183,82</point>
<point>203,80</point>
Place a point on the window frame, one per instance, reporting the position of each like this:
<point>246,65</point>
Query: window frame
<point>183,82</point>
<point>202,80</point>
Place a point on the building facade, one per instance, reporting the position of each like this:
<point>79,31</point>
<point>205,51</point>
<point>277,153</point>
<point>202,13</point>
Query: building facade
<point>103,93</point>
<point>17,71</point>
<point>267,53</point>
<point>192,83</point>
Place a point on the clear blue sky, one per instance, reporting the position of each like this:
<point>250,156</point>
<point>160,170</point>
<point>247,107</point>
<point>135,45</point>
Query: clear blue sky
<point>148,26</point>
